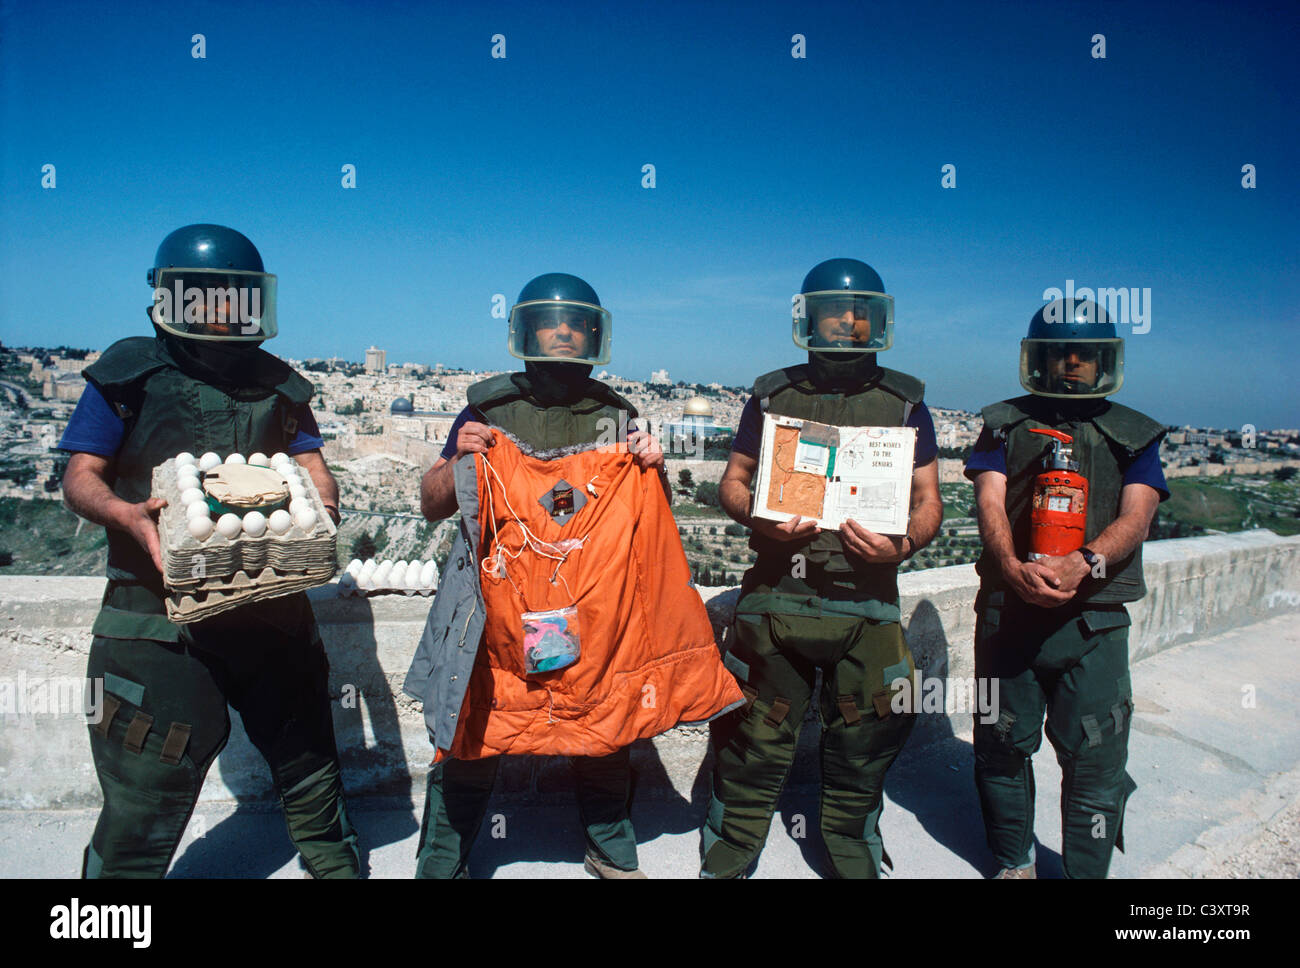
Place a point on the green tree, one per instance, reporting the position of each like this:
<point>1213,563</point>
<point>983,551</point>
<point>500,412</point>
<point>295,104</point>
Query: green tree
<point>685,479</point>
<point>1284,473</point>
<point>707,493</point>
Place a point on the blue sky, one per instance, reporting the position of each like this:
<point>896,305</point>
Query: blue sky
<point>474,174</point>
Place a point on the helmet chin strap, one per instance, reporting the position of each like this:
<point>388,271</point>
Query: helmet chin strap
<point>840,371</point>
<point>556,383</point>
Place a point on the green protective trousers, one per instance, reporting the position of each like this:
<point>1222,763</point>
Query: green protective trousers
<point>165,720</point>
<point>458,795</point>
<point>1072,664</point>
<point>775,657</point>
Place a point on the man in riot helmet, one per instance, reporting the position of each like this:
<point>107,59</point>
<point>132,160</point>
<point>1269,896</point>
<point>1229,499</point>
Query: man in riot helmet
<point>1053,629</point>
<point>559,329</point>
<point>201,383</point>
<point>836,610</point>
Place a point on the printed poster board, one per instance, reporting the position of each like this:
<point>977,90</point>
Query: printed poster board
<point>831,474</point>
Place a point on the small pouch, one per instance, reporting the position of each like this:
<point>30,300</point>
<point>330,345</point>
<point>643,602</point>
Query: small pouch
<point>551,640</point>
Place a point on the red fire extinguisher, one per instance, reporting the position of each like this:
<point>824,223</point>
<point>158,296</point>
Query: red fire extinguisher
<point>1059,512</point>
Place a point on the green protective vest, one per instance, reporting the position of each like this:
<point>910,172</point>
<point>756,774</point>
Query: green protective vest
<point>1104,443</point>
<point>508,401</point>
<point>166,412</point>
<point>885,400</point>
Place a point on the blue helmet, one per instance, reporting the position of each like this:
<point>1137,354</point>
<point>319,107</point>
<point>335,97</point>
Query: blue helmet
<point>558,318</point>
<point>209,284</point>
<point>1072,351</point>
<point>842,306</point>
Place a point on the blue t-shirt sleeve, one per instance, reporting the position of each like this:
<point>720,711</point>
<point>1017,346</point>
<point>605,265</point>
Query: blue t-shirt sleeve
<point>927,446</point>
<point>988,455</point>
<point>308,436</point>
<point>749,435</point>
<point>94,428</point>
<point>462,418</point>
<point>1146,469</point>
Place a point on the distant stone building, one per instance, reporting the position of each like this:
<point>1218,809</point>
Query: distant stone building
<point>376,360</point>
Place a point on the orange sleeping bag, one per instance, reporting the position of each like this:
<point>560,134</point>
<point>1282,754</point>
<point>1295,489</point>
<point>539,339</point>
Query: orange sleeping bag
<point>591,533</point>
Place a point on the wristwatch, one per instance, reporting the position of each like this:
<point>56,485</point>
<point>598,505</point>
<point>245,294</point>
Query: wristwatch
<point>908,554</point>
<point>1089,556</point>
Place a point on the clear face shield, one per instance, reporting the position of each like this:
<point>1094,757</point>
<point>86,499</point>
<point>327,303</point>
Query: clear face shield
<point>1075,369</point>
<point>551,330</point>
<point>844,321</point>
<point>225,305</point>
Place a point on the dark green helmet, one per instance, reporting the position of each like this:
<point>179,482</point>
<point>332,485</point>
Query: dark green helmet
<point>1072,351</point>
<point>209,284</point>
<point>558,318</point>
<point>843,306</point>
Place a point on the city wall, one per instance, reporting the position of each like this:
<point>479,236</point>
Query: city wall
<point>1198,587</point>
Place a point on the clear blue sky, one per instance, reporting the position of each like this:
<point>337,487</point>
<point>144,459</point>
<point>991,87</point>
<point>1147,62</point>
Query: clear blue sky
<point>474,174</point>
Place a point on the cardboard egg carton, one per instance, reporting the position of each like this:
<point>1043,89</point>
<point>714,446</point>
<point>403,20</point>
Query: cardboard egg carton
<point>217,573</point>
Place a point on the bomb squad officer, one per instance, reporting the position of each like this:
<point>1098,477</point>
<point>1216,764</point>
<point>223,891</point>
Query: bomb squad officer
<point>820,599</point>
<point>1054,631</point>
<point>201,383</point>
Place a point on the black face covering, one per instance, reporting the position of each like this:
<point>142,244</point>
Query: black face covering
<point>839,372</point>
<point>225,364</point>
<point>556,383</point>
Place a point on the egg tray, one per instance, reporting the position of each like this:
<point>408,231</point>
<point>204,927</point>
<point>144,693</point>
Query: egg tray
<point>293,553</point>
<point>357,591</point>
<point>237,590</point>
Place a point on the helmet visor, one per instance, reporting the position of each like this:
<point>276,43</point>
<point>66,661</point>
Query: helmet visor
<point>560,329</point>
<point>1078,368</point>
<point>844,320</point>
<point>230,305</point>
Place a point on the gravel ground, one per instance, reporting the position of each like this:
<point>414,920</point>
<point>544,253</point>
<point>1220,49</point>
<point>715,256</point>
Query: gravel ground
<point>1275,853</point>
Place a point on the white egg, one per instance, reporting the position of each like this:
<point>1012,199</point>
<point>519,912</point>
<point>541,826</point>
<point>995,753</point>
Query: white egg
<point>413,574</point>
<point>299,504</point>
<point>280,521</point>
<point>428,574</point>
<point>185,458</point>
<point>186,481</point>
<point>190,495</point>
<point>278,458</point>
<point>380,576</point>
<point>209,461</point>
<point>367,571</point>
<point>236,459</point>
<point>200,527</point>
<point>354,567</point>
<point>290,473</point>
<point>297,490</point>
<point>305,519</point>
<point>254,524</point>
<point>229,525</point>
<point>259,460</point>
<point>199,509</point>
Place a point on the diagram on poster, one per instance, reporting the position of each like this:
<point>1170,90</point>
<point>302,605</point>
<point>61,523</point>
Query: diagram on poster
<point>831,474</point>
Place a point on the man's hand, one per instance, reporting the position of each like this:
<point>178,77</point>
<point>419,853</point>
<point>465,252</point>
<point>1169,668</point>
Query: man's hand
<point>140,521</point>
<point>474,438</point>
<point>796,529</point>
<point>877,549</point>
<point>1068,570</point>
<point>1036,583</point>
<point>645,447</point>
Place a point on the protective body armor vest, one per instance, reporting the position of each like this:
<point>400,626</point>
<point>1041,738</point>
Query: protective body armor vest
<point>508,401</point>
<point>167,411</point>
<point>884,400</point>
<point>1104,444</point>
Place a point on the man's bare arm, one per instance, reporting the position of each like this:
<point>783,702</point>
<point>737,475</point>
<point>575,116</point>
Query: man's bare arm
<point>1032,581</point>
<point>87,493</point>
<point>1137,506</point>
<point>313,462</point>
<point>438,485</point>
